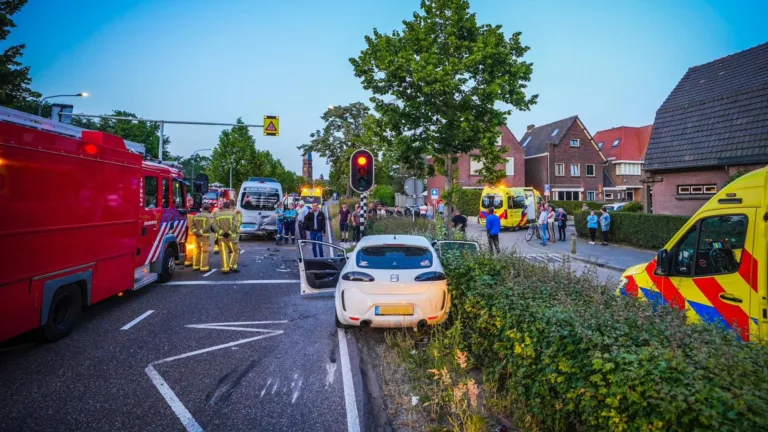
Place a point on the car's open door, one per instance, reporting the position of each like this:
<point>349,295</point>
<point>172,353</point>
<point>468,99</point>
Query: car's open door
<point>320,274</point>
<point>451,246</point>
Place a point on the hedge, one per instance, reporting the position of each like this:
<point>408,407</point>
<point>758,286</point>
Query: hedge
<point>642,230</point>
<point>572,207</point>
<point>575,356</point>
<point>564,352</point>
<point>468,201</point>
<point>384,194</point>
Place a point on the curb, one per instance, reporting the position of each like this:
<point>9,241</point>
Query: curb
<point>597,263</point>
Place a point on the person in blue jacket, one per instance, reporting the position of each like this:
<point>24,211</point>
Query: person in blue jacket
<point>592,226</point>
<point>605,225</point>
<point>493,227</point>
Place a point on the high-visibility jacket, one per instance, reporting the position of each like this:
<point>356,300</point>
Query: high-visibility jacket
<point>239,216</point>
<point>201,224</point>
<point>226,221</point>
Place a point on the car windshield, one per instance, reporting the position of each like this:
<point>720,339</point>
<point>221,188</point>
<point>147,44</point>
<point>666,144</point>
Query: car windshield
<point>492,201</point>
<point>394,257</point>
<point>211,196</point>
<point>310,199</point>
<point>259,200</point>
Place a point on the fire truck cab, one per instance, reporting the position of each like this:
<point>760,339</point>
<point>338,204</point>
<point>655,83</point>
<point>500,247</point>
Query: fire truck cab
<point>85,217</point>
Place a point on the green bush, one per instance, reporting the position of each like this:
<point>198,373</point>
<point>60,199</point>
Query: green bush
<point>401,225</point>
<point>641,230</point>
<point>574,356</point>
<point>468,201</point>
<point>382,193</point>
<point>573,207</point>
<point>633,207</point>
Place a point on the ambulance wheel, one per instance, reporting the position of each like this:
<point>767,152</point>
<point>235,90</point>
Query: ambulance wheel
<point>63,314</point>
<point>169,266</point>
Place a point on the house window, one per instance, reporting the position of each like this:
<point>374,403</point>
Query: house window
<point>630,195</point>
<point>525,143</point>
<point>574,170</point>
<point>510,166</point>
<point>559,169</point>
<point>608,195</point>
<point>616,143</point>
<point>475,166</point>
<point>701,189</point>
<point>574,143</point>
<point>590,170</point>
<point>498,141</point>
<point>591,196</point>
<point>568,195</point>
<point>628,169</point>
<point>600,145</point>
<point>555,132</point>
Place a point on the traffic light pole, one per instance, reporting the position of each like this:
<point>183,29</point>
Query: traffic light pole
<point>364,207</point>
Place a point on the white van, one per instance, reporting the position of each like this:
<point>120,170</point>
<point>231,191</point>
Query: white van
<point>257,199</point>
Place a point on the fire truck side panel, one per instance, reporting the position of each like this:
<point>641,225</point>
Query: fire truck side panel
<point>67,203</point>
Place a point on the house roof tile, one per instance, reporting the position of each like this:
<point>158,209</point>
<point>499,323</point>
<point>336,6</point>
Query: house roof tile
<point>716,115</point>
<point>633,142</point>
<point>535,141</point>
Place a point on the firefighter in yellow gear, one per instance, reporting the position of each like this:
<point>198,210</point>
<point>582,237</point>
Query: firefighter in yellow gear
<point>215,236</point>
<point>226,226</point>
<point>201,229</point>
<point>236,240</point>
<point>191,243</point>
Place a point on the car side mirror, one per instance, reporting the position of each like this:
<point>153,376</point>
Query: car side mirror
<point>662,262</point>
<point>339,255</point>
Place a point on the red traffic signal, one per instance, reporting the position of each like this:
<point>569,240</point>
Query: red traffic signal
<point>361,170</point>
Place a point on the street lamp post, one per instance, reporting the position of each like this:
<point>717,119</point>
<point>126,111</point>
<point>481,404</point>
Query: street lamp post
<point>40,107</point>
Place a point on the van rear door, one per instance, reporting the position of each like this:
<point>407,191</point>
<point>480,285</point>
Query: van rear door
<point>713,269</point>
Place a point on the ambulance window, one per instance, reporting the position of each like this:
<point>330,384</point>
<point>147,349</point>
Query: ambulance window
<point>517,202</point>
<point>684,254</point>
<point>166,194</point>
<point>150,192</point>
<point>720,245</point>
<point>178,194</point>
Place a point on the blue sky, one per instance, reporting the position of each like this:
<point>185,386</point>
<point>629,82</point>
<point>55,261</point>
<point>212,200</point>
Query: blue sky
<point>610,62</point>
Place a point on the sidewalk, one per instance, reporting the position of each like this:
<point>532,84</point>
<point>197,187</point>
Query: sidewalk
<point>613,257</point>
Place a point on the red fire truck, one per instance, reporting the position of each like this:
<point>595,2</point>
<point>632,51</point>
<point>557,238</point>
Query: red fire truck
<point>85,217</point>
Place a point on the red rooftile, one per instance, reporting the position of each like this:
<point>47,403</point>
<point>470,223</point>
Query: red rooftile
<point>633,141</point>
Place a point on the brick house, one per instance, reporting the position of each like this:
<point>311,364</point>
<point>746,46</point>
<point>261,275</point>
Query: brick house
<point>467,168</point>
<point>564,155</point>
<point>712,125</point>
<point>624,148</point>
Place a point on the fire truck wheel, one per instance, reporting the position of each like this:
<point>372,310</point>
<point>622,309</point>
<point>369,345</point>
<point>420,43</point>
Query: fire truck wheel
<point>63,314</point>
<point>169,266</point>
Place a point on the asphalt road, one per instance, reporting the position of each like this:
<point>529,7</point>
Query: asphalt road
<point>215,355</point>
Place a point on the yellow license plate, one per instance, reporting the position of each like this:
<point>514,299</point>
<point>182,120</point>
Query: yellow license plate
<point>394,310</point>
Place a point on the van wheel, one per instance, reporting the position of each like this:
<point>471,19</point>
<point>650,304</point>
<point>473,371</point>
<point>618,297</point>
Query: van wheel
<point>169,266</point>
<point>64,313</point>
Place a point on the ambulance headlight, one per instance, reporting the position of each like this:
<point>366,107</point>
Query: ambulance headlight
<point>623,283</point>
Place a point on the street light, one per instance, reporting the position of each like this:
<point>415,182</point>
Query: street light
<point>40,108</point>
<point>193,160</point>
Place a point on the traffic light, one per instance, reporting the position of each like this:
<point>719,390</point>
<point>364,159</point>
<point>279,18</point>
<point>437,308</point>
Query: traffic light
<point>361,171</point>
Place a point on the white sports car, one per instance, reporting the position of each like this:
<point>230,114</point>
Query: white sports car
<point>387,281</point>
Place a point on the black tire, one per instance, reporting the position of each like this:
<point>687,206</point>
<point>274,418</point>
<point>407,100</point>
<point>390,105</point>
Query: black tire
<point>339,325</point>
<point>529,233</point>
<point>63,314</point>
<point>168,266</point>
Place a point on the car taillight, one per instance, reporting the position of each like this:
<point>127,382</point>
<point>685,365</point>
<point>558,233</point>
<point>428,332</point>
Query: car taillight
<point>430,277</point>
<point>357,277</point>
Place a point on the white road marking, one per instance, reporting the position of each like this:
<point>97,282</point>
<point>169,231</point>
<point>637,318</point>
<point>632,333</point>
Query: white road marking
<point>353,421</point>
<point>190,424</point>
<point>134,322</point>
<point>265,388</point>
<point>234,282</point>
<point>297,391</point>
<point>209,273</point>
<point>331,375</point>
<point>275,387</point>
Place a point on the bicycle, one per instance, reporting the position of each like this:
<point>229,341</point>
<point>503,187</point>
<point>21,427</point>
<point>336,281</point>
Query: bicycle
<point>533,228</point>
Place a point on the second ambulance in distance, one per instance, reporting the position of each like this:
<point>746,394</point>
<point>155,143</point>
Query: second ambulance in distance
<point>715,267</point>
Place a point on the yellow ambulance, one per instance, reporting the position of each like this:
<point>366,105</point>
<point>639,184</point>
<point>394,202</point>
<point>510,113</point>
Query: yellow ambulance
<point>312,195</point>
<point>511,204</point>
<point>714,268</point>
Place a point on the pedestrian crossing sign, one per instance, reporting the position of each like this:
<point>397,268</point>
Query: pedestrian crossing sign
<point>271,125</point>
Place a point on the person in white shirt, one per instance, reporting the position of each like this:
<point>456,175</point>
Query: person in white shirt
<point>543,228</point>
<point>531,208</point>
<point>423,210</point>
<point>303,211</point>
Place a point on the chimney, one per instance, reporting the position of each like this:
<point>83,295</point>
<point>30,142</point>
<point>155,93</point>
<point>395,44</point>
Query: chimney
<point>530,127</point>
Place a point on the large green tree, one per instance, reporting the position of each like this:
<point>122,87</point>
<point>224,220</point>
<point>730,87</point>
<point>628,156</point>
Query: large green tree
<point>141,132</point>
<point>439,86</point>
<point>14,76</point>
<point>236,150</point>
<point>194,164</point>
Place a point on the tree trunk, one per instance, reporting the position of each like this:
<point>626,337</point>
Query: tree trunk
<point>448,205</point>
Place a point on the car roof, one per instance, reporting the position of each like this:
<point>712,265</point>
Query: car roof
<point>399,239</point>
